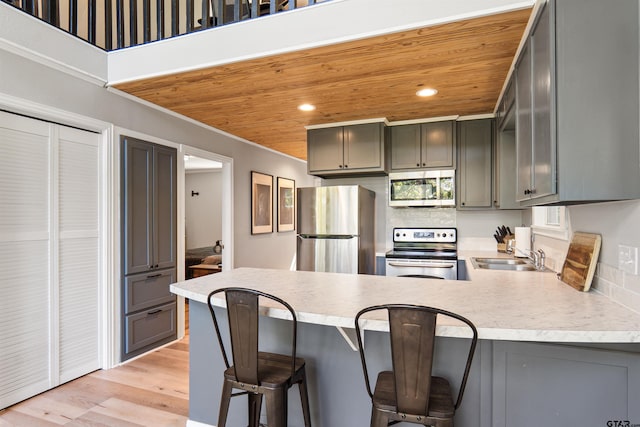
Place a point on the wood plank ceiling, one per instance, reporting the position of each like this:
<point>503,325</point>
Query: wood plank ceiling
<point>466,61</point>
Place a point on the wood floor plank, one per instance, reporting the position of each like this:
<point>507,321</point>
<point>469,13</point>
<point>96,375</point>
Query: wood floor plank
<point>13,418</point>
<point>139,414</point>
<point>94,419</point>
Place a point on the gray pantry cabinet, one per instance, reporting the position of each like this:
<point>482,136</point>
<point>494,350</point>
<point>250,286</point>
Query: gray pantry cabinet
<point>475,155</point>
<point>347,150</point>
<point>149,210</point>
<point>577,104</point>
<point>423,146</point>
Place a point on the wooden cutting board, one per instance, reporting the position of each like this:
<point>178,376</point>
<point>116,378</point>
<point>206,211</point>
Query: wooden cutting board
<point>582,257</point>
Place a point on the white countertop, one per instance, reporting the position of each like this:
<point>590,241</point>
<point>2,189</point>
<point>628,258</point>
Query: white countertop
<point>504,305</point>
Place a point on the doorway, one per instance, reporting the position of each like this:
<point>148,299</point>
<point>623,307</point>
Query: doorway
<point>205,212</point>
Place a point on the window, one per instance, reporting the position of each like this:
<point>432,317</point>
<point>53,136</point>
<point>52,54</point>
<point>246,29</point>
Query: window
<point>550,221</point>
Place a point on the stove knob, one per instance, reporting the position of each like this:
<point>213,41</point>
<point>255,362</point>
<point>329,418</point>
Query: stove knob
<point>444,234</point>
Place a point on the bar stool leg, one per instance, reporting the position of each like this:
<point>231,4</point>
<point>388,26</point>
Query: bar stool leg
<point>378,418</point>
<point>277,407</point>
<point>227,389</point>
<point>304,398</point>
<point>255,403</point>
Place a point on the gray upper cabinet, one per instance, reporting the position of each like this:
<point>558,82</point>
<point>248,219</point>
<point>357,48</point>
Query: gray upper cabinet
<point>342,150</point>
<point>475,154</point>
<point>149,206</point>
<point>577,104</point>
<point>422,146</point>
<point>536,120</point>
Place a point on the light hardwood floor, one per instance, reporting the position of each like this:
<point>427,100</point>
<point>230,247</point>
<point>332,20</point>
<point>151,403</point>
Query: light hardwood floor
<point>152,390</point>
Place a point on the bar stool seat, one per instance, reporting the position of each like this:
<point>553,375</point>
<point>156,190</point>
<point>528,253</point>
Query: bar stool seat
<point>255,372</point>
<point>440,398</point>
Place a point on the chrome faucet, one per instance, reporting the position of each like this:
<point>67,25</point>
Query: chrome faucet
<point>541,259</point>
<point>538,258</point>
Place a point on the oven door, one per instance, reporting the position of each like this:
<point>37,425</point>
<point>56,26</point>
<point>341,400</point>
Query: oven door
<point>423,268</point>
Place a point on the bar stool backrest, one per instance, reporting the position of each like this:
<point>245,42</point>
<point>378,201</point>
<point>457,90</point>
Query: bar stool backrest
<point>242,313</point>
<point>412,332</point>
<point>412,338</point>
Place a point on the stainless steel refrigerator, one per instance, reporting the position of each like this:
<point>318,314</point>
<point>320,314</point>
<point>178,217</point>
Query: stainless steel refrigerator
<point>336,229</point>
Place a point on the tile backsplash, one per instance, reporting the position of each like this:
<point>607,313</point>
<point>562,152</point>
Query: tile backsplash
<point>621,287</point>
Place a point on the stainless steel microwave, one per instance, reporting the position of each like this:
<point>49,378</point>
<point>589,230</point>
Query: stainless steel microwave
<point>422,188</point>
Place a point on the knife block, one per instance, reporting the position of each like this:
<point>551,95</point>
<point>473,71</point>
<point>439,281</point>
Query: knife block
<point>502,247</point>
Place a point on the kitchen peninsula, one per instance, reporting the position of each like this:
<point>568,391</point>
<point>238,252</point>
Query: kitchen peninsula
<point>548,354</point>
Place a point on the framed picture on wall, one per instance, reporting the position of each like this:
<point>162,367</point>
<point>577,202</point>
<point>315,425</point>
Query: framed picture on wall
<point>286,204</point>
<point>261,203</point>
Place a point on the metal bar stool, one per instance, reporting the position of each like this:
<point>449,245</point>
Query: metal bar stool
<point>254,372</point>
<point>410,393</point>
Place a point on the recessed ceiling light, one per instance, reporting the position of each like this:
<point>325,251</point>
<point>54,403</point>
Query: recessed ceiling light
<point>426,92</point>
<point>306,107</point>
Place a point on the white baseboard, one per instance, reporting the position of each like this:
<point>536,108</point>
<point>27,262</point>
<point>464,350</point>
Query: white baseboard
<point>191,423</point>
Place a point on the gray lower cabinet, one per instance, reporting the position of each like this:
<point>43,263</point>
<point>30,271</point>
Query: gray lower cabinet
<point>423,146</point>
<point>347,150</point>
<point>475,155</point>
<point>150,327</point>
<point>577,104</point>
<point>148,289</point>
<point>149,210</point>
<point>563,385</point>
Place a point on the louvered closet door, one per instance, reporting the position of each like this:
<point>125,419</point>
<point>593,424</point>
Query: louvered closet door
<point>49,256</point>
<point>78,256</point>
<point>25,260</point>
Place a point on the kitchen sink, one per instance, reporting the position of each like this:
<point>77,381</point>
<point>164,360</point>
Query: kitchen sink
<point>509,264</point>
<point>508,261</point>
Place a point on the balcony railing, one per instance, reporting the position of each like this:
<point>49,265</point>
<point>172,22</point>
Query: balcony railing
<point>116,24</point>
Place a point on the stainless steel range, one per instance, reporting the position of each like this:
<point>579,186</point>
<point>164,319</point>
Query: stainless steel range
<point>423,252</point>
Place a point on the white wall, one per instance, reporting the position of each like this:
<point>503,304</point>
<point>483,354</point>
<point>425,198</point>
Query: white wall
<point>203,211</point>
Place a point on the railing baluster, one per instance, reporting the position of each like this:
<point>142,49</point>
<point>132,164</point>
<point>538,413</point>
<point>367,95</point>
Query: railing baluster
<point>221,17</point>
<point>108,25</point>
<point>236,10</point>
<point>133,22</point>
<point>50,12</point>
<point>29,6</point>
<point>120,23</point>
<point>146,20</point>
<point>73,17</point>
<point>190,10</point>
<point>205,14</point>
<point>91,22</point>
<point>175,18</point>
<point>160,19</point>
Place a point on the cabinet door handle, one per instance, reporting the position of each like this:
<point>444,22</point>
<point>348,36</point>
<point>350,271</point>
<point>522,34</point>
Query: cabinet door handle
<point>151,276</point>
<point>340,166</point>
<point>418,164</point>
<point>151,313</point>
